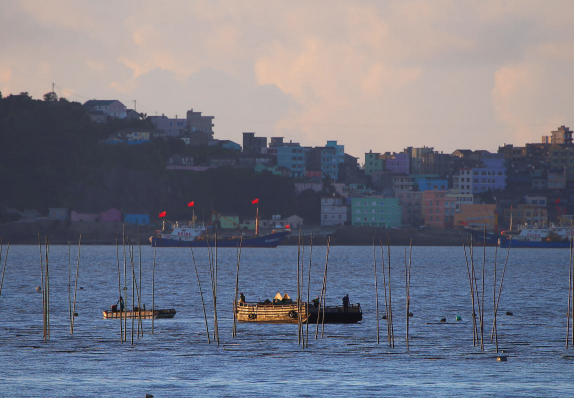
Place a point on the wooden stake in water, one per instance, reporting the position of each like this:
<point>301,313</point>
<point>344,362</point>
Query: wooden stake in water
<point>376,291</point>
<point>494,297</point>
<point>309,288</point>
<point>325,290</point>
<point>390,296</point>
<point>234,331</point>
<point>5,262</point>
<point>201,294</point>
<point>76,283</point>
<point>133,288</point>
<point>299,290</point>
<point>501,282</point>
<point>153,289</point>
<point>385,292</point>
<point>474,337</point>
<point>119,289</point>
<point>125,283</point>
<point>140,294</point>
<point>408,287</point>
<point>47,289</point>
<point>569,293</point>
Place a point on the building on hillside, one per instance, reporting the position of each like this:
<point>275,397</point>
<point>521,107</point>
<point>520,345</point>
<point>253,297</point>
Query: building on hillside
<point>437,163</point>
<point>274,170</point>
<point>276,222</point>
<point>179,160</point>
<point>376,211</point>
<point>463,181</point>
<point>396,162</point>
<point>411,203</point>
<point>130,136</point>
<point>314,184</point>
<point>334,211</point>
<point>557,179</point>
<point>223,161</point>
<point>425,183</point>
<point>563,135</point>
<point>170,127</point>
<point>141,219</point>
<point>292,157</point>
<point>491,176</point>
<point>537,200</point>
<point>437,209</point>
<point>417,155</point>
<point>254,145</point>
<point>325,160</point>
<point>562,157</point>
<point>459,199</point>
<point>527,214</point>
<point>512,153</point>
<point>112,215</point>
<point>84,217</point>
<point>477,216</point>
<point>403,183</point>
<point>195,122</point>
<point>110,108</point>
<point>462,153</point>
<point>62,214</point>
<point>373,162</point>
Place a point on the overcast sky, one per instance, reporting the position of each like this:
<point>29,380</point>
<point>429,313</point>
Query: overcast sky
<point>378,75</point>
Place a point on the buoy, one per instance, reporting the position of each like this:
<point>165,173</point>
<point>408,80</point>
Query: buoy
<point>410,314</point>
<point>509,313</point>
<point>443,320</point>
<point>75,313</point>
<point>458,318</point>
<point>501,358</point>
<point>384,317</point>
<point>38,288</point>
<point>148,395</point>
<point>81,288</point>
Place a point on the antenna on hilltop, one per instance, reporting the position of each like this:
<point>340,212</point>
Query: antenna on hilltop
<point>135,105</point>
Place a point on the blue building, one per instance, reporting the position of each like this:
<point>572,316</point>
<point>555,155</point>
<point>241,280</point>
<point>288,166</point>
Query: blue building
<point>292,157</point>
<point>136,218</point>
<point>426,183</point>
<point>491,176</point>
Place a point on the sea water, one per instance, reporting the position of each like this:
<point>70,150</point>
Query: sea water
<point>266,360</point>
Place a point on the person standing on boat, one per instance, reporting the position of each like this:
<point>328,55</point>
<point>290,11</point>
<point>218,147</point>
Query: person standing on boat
<point>346,303</point>
<point>241,298</point>
<point>316,302</point>
<point>121,302</point>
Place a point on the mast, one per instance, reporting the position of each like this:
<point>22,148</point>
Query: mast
<point>257,221</point>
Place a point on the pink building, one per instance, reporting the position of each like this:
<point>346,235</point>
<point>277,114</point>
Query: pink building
<point>111,215</point>
<point>438,209</point>
<point>84,217</point>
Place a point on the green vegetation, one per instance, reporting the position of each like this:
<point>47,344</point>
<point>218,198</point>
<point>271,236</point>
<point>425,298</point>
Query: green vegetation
<point>53,155</point>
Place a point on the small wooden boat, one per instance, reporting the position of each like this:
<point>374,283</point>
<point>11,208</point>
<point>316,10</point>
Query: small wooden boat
<point>281,310</point>
<point>145,314</point>
<point>337,314</point>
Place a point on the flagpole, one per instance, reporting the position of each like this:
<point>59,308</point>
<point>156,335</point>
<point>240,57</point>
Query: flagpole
<point>257,221</point>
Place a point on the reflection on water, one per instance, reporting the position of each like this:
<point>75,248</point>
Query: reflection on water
<point>265,360</point>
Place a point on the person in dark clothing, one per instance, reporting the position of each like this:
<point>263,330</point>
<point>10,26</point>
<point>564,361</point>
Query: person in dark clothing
<point>346,303</point>
<point>315,302</point>
<point>241,298</point>
<point>121,302</point>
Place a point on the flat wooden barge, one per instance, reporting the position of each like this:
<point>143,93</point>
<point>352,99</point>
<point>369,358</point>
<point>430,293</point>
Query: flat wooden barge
<point>263,312</point>
<point>145,314</point>
<point>337,314</point>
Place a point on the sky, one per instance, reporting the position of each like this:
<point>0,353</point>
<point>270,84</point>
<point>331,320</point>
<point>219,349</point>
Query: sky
<point>374,75</point>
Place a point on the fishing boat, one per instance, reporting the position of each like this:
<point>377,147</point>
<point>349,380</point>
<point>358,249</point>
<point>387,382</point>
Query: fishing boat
<point>136,314</point>
<point>337,314</point>
<point>188,235</point>
<point>281,310</point>
<point>536,237</point>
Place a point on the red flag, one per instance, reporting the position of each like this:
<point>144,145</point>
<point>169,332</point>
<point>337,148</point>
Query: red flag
<point>557,201</point>
<point>162,214</point>
<point>192,203</point>
<point>287,226</point>
<point>255,201</point>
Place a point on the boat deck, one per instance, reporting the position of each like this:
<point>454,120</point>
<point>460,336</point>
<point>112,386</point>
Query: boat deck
<point>144,314</point>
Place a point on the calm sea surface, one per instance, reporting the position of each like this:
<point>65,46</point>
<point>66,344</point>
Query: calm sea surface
<point>265,360</point>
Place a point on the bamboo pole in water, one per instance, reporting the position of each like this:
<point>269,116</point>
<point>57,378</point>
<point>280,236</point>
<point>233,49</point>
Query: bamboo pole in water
<point>153,289</point>
<point>42,287</point>
<point>299,289</point>
<point>474,337</point>
<point>119,289</point>
<point>133,288</point>
<point>385,292</point>
<point>572,312</point>
<point>494,298</point>
<point>483,286</point>
<point>5,262</point>
<point>376,292</point>
<point>216,266</point>
<point>125,283</point>
<point>76,283</point>
<point>501,282</point>
<point>390,296</point>
<point>234,331</point>
<point>408,290</point>
<point>325,291</point>
<point>309,288</point>
<point>569,294</point>
<point>47,288</point>
<point>322,297</point>
<point>201,294</point>
<point>212,279</point>
<point>476,292</point>
<point>140,294</point>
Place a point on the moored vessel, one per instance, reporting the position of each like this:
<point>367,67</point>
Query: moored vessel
<point>136,314</point>
<point>281,310</point>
